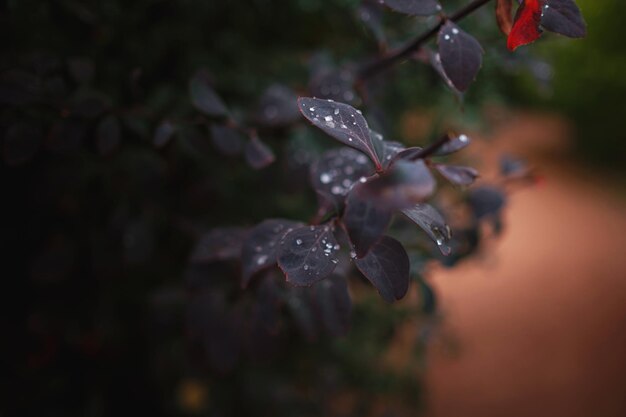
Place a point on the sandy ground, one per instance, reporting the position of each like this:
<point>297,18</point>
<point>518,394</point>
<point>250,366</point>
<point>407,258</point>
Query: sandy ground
<point>541,320</point>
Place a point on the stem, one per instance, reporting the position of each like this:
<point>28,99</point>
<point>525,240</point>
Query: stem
<point>432,148</point>
<point>406,51</point>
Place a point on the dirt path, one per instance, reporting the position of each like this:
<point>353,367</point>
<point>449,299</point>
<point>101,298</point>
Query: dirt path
<point>541,321</point>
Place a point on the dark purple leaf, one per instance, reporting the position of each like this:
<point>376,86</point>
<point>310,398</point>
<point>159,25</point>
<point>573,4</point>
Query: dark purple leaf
<point>386,266</point>
<point>390,152</point>
<point>307,254</point>
<point>219,244</point>
<point>433,223</point>
<point>403,185</point>
<point>204,98</point>
<point>486,201</point>
<point>333,84</point>
<point>163,133</point>
<point>259,249</point>
<point>21,142</point>
<point>332,301</point>
<point>258,154</point>
<point>414,7</point>
<point>563,17</point>
<point>227,140</point>
<point>435,62</point>
<point>336,171</point>
<point>453,145</point>
<point>458,175</point>
<point>108,135</point>
<point>278,106</point>
<point>364,221</point>
<point>342,122</point>
<point>461,55</point>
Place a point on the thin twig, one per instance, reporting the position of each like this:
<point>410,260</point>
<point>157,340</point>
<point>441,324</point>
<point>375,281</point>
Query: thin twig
<point>409,49</point>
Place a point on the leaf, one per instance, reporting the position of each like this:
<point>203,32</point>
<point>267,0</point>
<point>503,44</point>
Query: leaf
<point>307,254</point>
<point>486,201</point>
<point>525,28</point>
<point>504,15</point>
<point>108,135</point>
<point>220,244</point>
<point>21,142</point>
<point>390,152</point>
<point>204,98</point>
<point>332,301</point>
<point>364,222</point>
<point>258,154</point>
<point>563,17</point>
<point>259,249</point>
<point>227,140</point>
<point>333,84</point>
<point>403,185</point>
<point>435,62</point>
<point>453,145</point>
<point>386,266</point>
<point>458,175</point>
<point>433,223</point>
<point>163,133</point>
<point>278,106</point>
<point>461,55</point>
<point>342,122</point>
<point>336,171</point>
<point>414,7</point>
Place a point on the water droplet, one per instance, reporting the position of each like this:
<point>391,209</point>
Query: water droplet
<point>328,118</point>
<point>311,108</point>
<point>447,37</point>
<point>336,247</point>
<point>334,261</point>
<point>455,31</point>
<point>298,242</point>
<point>305,267</point>
<point>325,178</point>
<point>336,112</point>
<point>336,190</point>
<point>463,138</point>
<point>362,180</point>
<point>261,260</point>
<point>353,254</point>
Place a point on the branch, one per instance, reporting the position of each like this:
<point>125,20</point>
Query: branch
<point>406,51</point>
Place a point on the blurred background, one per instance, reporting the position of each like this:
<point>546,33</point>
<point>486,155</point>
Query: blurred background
<point>111,177</point>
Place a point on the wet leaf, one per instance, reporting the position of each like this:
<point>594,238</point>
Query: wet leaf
<point>433,223</point>
<point>204,98</point>
<point>386,266</point>
<point>308,254</point>
<point>227,140</point>
<point>220,244</point>
<point>258,154</point>
<point>461,55</point>
<point>455,144</point>
<point>414,7</point>
<point>336,171</point>
<point>259,249</point>
<point>342,122</point>
<point>458,175</point>
<point>435,62</point>
<point>403,185</point>
<point>563,17</point>
<point>364,222</point>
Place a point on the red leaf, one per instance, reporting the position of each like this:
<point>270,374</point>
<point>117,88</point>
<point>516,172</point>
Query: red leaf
<point>525,28</point>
